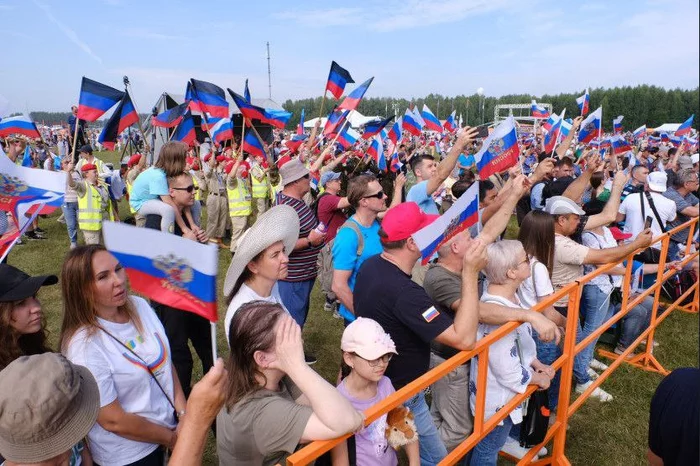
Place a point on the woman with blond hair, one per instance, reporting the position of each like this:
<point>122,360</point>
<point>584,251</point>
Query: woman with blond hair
<point>121,341</point>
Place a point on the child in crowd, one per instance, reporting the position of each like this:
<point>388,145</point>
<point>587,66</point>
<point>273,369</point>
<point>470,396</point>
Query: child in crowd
<point>367,350</point>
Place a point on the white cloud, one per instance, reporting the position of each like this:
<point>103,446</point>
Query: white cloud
<point>142,33</point>
<point>324,18</point>
<point>67,31</point>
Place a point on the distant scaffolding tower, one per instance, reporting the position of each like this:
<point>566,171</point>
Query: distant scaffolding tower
<point>522,113</point>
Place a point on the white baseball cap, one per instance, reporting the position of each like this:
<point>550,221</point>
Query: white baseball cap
<point>657,181</point>
<point>560,205</point>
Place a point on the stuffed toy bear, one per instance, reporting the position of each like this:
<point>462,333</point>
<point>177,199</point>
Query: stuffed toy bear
<point>400,427</point>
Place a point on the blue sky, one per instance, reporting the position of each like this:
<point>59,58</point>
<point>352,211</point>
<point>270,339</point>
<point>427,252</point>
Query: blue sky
<point>412,47</point>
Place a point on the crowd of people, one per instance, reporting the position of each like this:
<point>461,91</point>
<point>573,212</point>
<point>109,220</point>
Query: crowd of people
<point>118,388</point>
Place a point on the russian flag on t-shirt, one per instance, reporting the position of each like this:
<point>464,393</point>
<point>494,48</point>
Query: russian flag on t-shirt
<point>410,124</point>
<point>169,269</point>
<point>684,128</point>
<point>96,99</point>
<point>590,127</point>
<point>538,111</point>
<point>431,121</point>
<point>19,125</point>
<point>463,214</point>
<point>500,150</point>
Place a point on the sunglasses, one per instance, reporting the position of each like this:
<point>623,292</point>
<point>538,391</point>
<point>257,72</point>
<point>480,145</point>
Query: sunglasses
<point>189,189</point>
<point>378,195</point>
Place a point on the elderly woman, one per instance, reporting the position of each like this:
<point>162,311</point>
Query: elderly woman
<point>121,341</point>
<point>274,400</point>
<point>513,364</point>
<point>261,260</point>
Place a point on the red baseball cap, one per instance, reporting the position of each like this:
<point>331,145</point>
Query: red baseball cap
<point>618,234</point>
<point>405,219</point>
<point>87,167</point>
<point>133,160</point>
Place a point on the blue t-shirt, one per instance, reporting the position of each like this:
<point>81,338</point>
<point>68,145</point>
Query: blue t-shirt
<point>419,194</point>
<point>149,185</point>
<point>345,254</point>
<point>465,161</point>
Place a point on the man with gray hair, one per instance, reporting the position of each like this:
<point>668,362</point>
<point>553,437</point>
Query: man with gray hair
<point>443,283</point>
<point>685,184</point>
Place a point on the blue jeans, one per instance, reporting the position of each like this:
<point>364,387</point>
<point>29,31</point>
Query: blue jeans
<point>636,321</point>
<point>70,215</point>
<point>595,309</point>
<point>485,453</point>
<point>432,450</point>
<point>295,297</point>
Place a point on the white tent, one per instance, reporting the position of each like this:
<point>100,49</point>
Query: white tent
<point>668,128</point>
<point>356,120</point>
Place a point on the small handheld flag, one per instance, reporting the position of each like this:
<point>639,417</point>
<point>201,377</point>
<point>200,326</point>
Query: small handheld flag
<point>222,130</point>
<point>538,111</point>
<point>335,121</point>
<point>337,79</point>
<point>410,124</point>
<point>450,124</point>
<point>19,125</point>
<point>431,121</point>
<point>500,150</point>
<point>684,128</point>
<point>395,133</point>
<point>169,269</point>
<point>96,99</point>
<point>619,144</point>
<point>463,214</point>
<point>617,124</point>
<point>640,132</point>
<point>551,139</point>
<point>591,126</point>
<point>583,103</point>
<point>355,97</point>
<point>348,138</point>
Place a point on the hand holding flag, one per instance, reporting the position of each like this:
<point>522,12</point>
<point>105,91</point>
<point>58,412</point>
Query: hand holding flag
<point>500,150</point>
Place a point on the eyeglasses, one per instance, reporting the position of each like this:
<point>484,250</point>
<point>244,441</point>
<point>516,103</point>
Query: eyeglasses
<point>377,362</point>
<point>378,195</point>
<point>189,189</point>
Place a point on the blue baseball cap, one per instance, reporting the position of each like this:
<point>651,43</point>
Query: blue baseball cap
<point>329,176</point>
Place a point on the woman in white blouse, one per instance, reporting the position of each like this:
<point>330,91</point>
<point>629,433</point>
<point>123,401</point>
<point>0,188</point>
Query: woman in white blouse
<point>513,364</point>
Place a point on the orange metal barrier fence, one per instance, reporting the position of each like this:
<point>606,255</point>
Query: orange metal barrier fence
<point>566,408</point>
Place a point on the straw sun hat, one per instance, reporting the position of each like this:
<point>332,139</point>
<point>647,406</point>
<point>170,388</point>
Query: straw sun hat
<point>280,223</point>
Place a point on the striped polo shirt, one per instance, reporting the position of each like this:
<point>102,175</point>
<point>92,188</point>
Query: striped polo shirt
<point>302,263</point>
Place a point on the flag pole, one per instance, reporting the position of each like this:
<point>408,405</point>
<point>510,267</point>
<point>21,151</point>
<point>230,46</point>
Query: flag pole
<point>213,340</point>
<point>75,140</point>
<point>323,101</point>
<point>127,86</point>
<point>243,132</point>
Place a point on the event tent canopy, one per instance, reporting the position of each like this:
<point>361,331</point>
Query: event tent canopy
<point>356,120</point>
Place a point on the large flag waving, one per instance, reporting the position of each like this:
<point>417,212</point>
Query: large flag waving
<point>335,121</point>
<point>500,150</point>
<point>431,121</point>
<point>583,102</point>
<point>684,128</point>
<point>253,145</point>
<point>337,79</point>
<point>185,130</point>
<point>591,126</point>
<point>375,127</point>
<point>19,125</point>
<point>395,133</point>
<point>124,116</point>
<point>410,123</point>
<point>96,99</point>
<point>463,214</point>
<point>23,187</point>
<point>170,118</point>
<point>209,98</point>
<point>169,269</point>
<point>355,97</point>
<point>248,110</point>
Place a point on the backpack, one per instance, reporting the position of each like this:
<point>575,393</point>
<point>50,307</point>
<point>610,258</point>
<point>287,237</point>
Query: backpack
<point>314,204</point>
<point>674,287</point>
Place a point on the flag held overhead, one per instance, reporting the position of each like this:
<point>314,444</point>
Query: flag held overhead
<point>170,118</point>
<point>210,98</point>
<point>431,121</point>
<point>355,97</point>
<point>500,150</point>
<point>19,125</point>
<point>124,116</point>
<point>337,79</point>
<point>96,99</point>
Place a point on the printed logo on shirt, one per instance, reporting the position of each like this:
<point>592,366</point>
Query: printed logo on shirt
<point>430,314</point>
<point>158,362</point>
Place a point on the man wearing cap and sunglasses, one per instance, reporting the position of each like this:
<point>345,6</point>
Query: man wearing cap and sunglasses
<point>94,202</point>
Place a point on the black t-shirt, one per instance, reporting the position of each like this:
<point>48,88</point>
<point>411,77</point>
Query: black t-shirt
<point>674,418</point>
<point>404,310</point>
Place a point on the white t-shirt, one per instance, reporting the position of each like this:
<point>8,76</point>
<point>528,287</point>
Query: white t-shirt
<point>634,222</point>
<point>121,376</point>
<point>595,241</point>
<point>245,295</point>
<point>539,279</point>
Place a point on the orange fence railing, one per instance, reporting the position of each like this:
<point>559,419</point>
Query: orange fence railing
<point>566,407</point>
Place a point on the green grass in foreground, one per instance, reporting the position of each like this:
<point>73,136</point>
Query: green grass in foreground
<point>601,433</point>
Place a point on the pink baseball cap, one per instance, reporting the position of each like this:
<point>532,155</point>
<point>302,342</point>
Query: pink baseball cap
<point>366,338</point>
<point>403,220</point>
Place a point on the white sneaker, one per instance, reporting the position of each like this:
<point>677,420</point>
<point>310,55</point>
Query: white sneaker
<point>598,393</point>
<point>513,448</point>
<point>597,365</point>
<point>592,374</point>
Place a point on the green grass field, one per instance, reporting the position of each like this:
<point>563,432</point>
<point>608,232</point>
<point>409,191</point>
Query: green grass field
<point>601,433</point>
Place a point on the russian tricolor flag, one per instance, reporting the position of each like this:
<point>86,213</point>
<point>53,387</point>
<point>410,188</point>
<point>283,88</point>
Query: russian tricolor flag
<point>210,98</point>
<point>395,164</point>
<point>640,132</point>
<point>684,128</point>
<point>431,121</point>
<point>619,144</point>
<point>375,127</point>
<point>591,126</point>
<point>583,103</point>
<point>337,79</point>
<point>450,124</point>
<point>500,150</point>
<point>617,124</point>
<point>538,111</point>
<point>185,131</point>
<point>355,97</point>
<point>253,145</point>
<point>551,139</point>
<point>547,125</point>
<point>394,133</point>
<point>463,214</point>
<point>410,124</point>
<point>170,118</point>
<point>335,120</point>
<point>566,126</point>
<point>169,269</point>
<point>300,126</point>
<point>19,125</point>
<point>96,99</point>
<point>222,130</point>
<point>124,116</point>
<point>376,152</point>
<point>348,138</point>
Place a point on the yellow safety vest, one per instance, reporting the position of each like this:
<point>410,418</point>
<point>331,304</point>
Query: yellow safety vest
<point>261,188</point>
<point>239,204</point>
<point>90,209</point>
<point>129,187</point>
